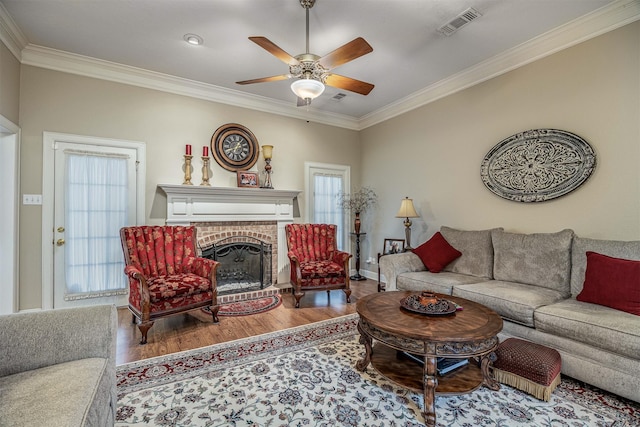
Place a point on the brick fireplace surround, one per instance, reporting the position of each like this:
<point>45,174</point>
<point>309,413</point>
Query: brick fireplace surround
<point>222,212</point>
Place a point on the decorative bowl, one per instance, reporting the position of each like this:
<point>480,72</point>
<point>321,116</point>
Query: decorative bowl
<point>428,303</point>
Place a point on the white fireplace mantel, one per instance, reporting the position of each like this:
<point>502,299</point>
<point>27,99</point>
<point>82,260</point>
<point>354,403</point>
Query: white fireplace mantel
<point>187,204</point>
<point>193,203</point>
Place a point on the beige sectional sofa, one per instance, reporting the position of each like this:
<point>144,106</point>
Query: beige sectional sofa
<point>58,368</point>
<point>532,281</point>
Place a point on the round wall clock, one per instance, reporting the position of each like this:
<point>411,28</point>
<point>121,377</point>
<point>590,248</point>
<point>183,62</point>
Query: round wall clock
<point>234,147</point>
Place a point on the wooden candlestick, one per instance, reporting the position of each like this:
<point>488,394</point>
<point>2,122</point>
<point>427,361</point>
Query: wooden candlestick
<point>205,171</point>
<point>187,170</point>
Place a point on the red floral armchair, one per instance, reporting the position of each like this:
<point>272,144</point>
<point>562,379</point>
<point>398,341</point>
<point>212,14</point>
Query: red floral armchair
<point>165,275</point>
<point>316,263</point>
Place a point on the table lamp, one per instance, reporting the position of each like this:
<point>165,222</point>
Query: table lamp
<point>407,211</point>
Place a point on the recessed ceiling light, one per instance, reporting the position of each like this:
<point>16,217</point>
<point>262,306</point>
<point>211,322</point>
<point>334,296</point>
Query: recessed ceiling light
<point>193,39</point>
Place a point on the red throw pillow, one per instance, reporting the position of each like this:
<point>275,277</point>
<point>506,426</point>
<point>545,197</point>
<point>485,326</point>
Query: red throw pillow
<point>436,253</point>
<point>612,282</point>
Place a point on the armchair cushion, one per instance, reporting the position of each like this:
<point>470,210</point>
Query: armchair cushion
<point>165,287</point>
<point>325,268</point>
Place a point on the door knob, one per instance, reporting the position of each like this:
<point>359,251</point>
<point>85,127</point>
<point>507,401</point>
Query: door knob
<point>60,242</point>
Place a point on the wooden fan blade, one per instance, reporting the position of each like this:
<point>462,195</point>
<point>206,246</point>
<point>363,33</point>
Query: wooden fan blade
<point>273,49</point>
<point>265,79</point>
<point>347,83</point>
<point>348,52</point>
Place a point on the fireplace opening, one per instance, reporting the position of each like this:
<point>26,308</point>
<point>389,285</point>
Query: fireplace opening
<point>245,264</point>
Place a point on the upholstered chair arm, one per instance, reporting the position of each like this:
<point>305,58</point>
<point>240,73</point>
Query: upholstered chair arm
<point>138,290</point>
<point>393,265</point>
<point>133,272</point>
<point>293,257</point>
<point>205,267</point>
<point>296,272</point>
<point>340,257</point>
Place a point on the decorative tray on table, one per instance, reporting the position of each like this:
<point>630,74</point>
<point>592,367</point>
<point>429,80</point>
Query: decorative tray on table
<point>428,303</point>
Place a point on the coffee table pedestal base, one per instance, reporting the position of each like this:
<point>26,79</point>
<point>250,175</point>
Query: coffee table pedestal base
<point>386,357</point>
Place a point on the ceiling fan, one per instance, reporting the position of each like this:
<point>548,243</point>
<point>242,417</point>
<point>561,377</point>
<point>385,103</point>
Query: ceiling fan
<point>311,71</point>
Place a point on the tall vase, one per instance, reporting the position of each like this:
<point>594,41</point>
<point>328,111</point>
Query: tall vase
<point>356,223</point>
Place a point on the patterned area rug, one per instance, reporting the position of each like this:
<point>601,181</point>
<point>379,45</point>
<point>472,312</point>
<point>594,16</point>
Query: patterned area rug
<point>247,307</point>
<point>306,376</point>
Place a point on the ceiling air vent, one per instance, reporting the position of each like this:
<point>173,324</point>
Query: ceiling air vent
<point>339,96</point>
<point>459,21</point>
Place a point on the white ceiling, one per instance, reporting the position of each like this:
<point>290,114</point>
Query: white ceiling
<point>409,55</point>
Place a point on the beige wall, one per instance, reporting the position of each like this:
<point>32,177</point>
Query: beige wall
<point>433,154</point>
<point>9,84</point>
<point>60,102</point>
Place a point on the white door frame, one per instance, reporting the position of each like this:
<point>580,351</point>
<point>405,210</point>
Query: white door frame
<point>9,215</point>
<point>49,140</point>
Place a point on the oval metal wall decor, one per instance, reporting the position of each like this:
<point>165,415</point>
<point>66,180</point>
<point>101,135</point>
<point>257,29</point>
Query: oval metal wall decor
<point>537,165</point>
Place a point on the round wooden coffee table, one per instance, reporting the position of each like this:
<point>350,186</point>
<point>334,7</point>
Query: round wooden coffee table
<point>470,333</point>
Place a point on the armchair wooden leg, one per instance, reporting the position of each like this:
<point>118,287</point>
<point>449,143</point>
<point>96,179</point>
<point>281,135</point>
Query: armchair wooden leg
<point>348,293</point>
<point>297,295</point>
<point>214,313</point>
<point>144,328</point>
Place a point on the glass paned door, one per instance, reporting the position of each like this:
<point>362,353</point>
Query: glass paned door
<point>95,197</point>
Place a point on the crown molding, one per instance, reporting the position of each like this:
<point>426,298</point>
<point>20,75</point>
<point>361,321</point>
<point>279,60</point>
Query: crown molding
<point>10,34</point>
<point>605,19</point>
<point>58,60</point>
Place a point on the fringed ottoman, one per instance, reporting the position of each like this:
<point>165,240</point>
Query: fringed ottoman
<point>530,367</point>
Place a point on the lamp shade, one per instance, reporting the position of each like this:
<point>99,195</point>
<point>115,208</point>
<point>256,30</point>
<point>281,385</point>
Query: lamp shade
<point>406,209</point>
<point>267,151</point>
<point>307,88</point>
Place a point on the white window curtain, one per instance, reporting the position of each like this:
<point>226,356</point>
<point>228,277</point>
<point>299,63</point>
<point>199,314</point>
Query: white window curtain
<point>326,209</point>
<point>95,209</point>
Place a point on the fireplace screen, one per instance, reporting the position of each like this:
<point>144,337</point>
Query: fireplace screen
<point>244,266</point>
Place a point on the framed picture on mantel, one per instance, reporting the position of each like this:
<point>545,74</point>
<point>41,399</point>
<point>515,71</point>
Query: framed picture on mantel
<point>248,179</point>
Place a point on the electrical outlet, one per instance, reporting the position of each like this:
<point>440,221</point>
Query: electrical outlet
<point>32,199</point>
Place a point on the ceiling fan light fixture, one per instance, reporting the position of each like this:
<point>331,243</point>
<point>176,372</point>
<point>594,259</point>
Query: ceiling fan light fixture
<point>307,88</point>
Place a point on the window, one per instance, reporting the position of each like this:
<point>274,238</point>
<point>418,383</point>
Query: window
<point>324,182</point>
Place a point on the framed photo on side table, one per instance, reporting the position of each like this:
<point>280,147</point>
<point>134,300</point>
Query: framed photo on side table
<point>393,246</point>
<point>248,179</point>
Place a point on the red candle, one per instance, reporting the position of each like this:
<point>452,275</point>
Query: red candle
<point>205,151</point>
<point>188,149</point>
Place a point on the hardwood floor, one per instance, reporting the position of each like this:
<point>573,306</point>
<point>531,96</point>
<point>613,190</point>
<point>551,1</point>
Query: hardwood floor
<point>193,330</point>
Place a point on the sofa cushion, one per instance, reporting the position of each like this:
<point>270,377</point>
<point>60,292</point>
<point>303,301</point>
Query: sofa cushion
<point>592,324</point>
<point>540,259</point>
<point>441,283</point>
<point>65,394</point>
<point>612,282</point>
<point>436,253</point>
<point>612,248</point>
<point>513,301</point>
<point>476,248</point>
